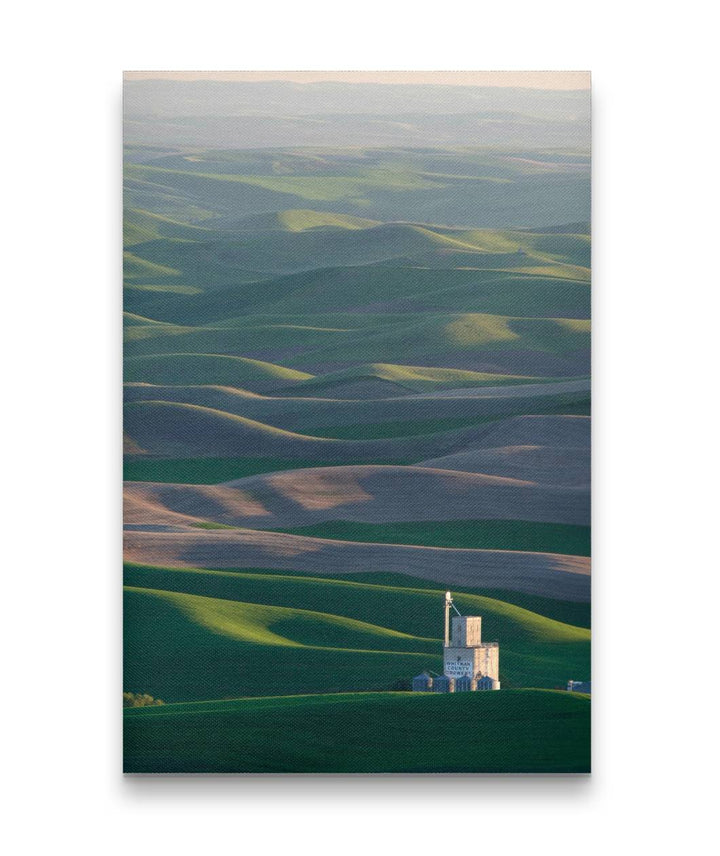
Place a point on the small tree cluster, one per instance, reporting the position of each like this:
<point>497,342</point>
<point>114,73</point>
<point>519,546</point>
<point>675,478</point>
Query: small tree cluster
<point>140,700</point>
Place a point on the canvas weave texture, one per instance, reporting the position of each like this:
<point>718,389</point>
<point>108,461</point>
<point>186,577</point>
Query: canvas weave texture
<point>357,422</point>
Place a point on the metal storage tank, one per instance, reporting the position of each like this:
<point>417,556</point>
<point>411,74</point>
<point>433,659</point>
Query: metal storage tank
<point>444,684</point>
<point>464,684</point>
<point>485,682</point>
<point>422,683</point>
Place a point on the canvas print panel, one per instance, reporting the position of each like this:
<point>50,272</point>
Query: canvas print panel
<point>357,422</point>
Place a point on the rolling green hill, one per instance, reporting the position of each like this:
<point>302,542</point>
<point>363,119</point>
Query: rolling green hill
<point>140,226</point>
<point>176,368</point>
<point>200,636</point>
<point>413,378</point>
<point>173,429</point>
<point>292,628</point>
<point>174,655</point>
<point>471,187</point>
<point>300,220</point>
<point>411,342</point>
<point>395,288</point>
<point>291,250</point>
<point>258,233</point>
<point>384,340</point>
<point>165,427</point>
<point>476,534</point>
<point>216,470</point>
<point>520,731</point>
<point>136,268</point>
<point>354,419</point>
<point>378,596</point>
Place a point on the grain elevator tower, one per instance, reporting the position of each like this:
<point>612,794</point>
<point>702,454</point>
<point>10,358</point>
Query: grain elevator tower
<point>465,655</point>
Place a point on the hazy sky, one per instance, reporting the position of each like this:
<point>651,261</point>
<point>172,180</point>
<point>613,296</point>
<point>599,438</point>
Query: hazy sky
<point>528,79</point>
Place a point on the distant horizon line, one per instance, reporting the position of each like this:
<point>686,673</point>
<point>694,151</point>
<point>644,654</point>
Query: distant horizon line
<point>541,80</point>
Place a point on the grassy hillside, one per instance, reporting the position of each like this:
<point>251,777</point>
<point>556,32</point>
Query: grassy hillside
<point>209,368</point>
<point>397,288</point>
<point>170,650</point>
<point>214,469</point>
<point>354,378</point>
<point>301,219</point>
<point>476,534</point>
<point>565,611</point>
<point>470,341</point>
<point>140,226</point>
<point>221,634</point>
<point>172,428</point>
<point>521,731</point>
<point>290,250</point>
<point>468,337</point>
<point>217,470</point>
<point>401,414</point>
<point>412,378</point>
<point>286,627</point>
<point>164,427</point>
<point>377,596</point>
<point>471,187</point>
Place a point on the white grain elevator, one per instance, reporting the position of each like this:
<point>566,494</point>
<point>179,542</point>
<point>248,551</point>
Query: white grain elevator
<point>465,655</point>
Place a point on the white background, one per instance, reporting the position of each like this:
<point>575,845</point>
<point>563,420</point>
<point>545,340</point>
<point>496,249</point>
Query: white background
<point>655,445</point>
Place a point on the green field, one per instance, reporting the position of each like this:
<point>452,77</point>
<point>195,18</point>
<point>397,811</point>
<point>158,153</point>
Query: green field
<point>513,731</point>
<point>410,289</point>
<point>217,470</point>
<point>194,634</point>
<point>393,352</point>
<point>575,613</point>
<point>476,534</point>
<point>362,593</point>
<point>356,420</point>
<point>307,307</point>
<point>176,368</point>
